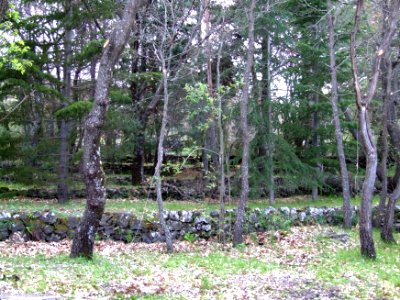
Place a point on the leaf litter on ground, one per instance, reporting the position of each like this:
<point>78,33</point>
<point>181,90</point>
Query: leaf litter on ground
<point>283,267</point>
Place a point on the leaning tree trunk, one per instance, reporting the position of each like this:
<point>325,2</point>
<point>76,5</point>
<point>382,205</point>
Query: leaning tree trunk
<point>83,241</point>
<point>363,102</point>
<point>338,130</point>
<point>238,229</point>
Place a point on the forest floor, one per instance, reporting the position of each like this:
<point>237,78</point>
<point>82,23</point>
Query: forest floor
<point>315,262</point>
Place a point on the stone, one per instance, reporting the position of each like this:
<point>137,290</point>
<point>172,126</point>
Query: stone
<point>18,237</point>
<point>151,237</point>
<point>17,226</point>
<point>108,230</point>
<point>49,217</point>
<point>105,220</point>
<point>206,227</point>
<point>214,214</point>
<point>4,215</point>
<point>73,222</point>
<point>123,221</point>
<point>53,238</point>
<point>174,225</point>
<point>269,210</point>
<point>315,212</point>
<point>185,216</point>
<point>136,225</point>
<point>4,234</point>
<point>48,229</point>
<point>173,215</point>
<point>302,216</point>
<point>253,219</point>
<point>36,215</point>
<point>285,211</point>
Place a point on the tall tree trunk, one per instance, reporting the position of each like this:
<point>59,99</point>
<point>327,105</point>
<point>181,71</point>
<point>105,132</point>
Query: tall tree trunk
<point>316,142</point>
<point>266,95</point>
<point>338,130</point>
<point>238,230</point>
<point>62,188</point>
<point>386,91</point>
<point>160,152</point>
<point>221,235</point>
<point>83,241</point>
<point>363,101</point>
<point>394,132</point>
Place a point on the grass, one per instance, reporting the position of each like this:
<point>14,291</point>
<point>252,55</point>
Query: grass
<point>305,260</point>
<point>145,206</point>
<point>346,268</point>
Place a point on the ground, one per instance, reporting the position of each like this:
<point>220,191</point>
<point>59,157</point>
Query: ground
<point>314,262</point>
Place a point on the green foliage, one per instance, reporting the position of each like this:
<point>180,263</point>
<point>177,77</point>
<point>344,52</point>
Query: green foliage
<point>276,221</point>
<point>90,50</point>
<point>75,111</point>
<point>190,237</point>
<point>12,48</point>
<point>145,77</point>
<point>119,97</point>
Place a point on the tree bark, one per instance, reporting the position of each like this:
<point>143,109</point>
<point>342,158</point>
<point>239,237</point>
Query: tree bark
<point>3,9</point>
<point>62,188</point>
<point>394,132</point>
<point>165,65</point>
<point>386,90</point>
<point>363,101</point>
<point>83,241</point>
<point>338,130</point>
<point>221,234</point>
<point>238,229</point>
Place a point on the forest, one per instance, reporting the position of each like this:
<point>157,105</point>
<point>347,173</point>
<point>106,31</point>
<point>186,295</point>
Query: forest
<point>213,124</point>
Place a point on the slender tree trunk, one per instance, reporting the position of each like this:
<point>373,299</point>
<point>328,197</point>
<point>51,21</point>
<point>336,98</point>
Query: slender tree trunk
<point>137,169</point>
<point>316,142</point>
<point>83,241</point>
<point>160,156</point>
<point>238,230</point>
<point>394,132</point>
<point>63,171</point>
<point>62,188</point>
<point>386,87</point>
<point>267,98</point>
<point>338,130</point>
<point>363,101</point>
<point>221,234</point>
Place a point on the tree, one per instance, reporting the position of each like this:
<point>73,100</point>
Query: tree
<point>83,241</point>
<point>238,229</point>
<point>363,101</point>
<point>335,112</point>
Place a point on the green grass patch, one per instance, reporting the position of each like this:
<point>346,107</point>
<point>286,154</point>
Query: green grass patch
<point>348,269</point>
<point>217,263</point>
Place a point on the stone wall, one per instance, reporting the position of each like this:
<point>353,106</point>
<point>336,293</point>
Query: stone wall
<point>47,226</point>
